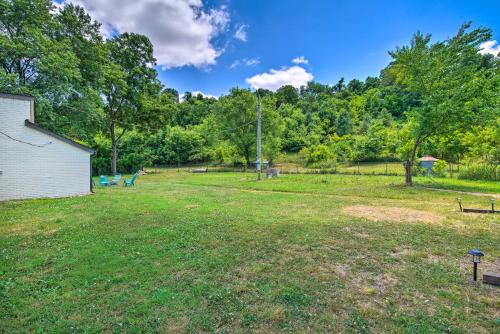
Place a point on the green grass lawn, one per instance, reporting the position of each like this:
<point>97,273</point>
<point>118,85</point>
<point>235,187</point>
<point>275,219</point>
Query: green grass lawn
<point>220,252</point>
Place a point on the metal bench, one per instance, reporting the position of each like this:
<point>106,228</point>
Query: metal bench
<point>462,209</point>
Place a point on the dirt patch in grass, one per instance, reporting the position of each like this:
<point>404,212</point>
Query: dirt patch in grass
<point>493,266</point>
<point>386,213</point>
<point>178,325</point>
<point>30,229</point>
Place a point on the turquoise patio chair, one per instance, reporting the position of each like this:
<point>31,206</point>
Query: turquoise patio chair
<point>116,179</point>
<point>103,181</point>
<point>130,182</point>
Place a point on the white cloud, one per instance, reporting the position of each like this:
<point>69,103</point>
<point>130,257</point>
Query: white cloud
<point>490,47</point>
<point>195,93</point>
<point>251,62</point>
<point>274,79</point>
<point>241,33</point>
<point>300,60</point>
<point>56,7</point>
<point>235,64</point>
<point>182,31</point>
<point>245,62</point>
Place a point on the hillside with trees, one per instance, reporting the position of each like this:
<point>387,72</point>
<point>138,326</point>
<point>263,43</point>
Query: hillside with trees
<point>438,98</point>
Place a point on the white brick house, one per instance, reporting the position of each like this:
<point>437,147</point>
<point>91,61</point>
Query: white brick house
<point>35,162</point>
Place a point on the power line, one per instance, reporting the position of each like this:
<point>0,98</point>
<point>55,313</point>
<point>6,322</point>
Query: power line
<point>258,137</point>
<point>24,142</point>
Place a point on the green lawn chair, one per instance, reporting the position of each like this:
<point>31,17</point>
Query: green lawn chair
<point>130,182</point>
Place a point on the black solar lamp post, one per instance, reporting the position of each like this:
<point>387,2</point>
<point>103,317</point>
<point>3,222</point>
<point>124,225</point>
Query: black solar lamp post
<point>476,258</point>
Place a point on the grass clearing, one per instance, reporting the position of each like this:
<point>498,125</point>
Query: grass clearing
<point>220,252</point>
<point>395,214</point>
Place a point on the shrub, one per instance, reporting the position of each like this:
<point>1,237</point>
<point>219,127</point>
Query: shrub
<point>101,162</point>
<point>418,171</point>
<point>133,161</point>
<point>439,168</point>
<point>177,145</point>
<point>316,154</point>
<point>484,172</point>
<point>133,153</point>
<point>181,146</point>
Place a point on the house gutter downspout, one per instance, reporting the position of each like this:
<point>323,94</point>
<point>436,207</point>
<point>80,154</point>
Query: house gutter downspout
<point>91,181</point>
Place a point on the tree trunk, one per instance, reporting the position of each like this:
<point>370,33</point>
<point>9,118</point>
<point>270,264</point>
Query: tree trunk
<point>408,173</point>
<point>409,164</point>
<point>247,156</point>
<point>114,151</point>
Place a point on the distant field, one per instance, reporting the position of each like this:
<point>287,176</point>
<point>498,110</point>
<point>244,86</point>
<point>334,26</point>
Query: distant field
<point>365,168</point>
<point>377,168</point>
<point>221,252</point>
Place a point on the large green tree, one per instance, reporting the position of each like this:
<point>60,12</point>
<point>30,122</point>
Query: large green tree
<point>286,95</point>
<point>452,81</point>
<point>81,116</point>
<point>237,118</point>
<point>55,57</point>
<point>33,58</point>
<point>194,109</point>
<point>131,89</point>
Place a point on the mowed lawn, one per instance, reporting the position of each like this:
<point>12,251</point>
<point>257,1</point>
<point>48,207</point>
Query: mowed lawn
<point>220,252</point>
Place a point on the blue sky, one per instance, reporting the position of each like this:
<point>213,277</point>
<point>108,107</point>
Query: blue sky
<point>349,39</point>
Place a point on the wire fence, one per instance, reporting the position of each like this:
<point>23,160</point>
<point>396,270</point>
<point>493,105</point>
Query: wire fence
<point>389,169</point>
<point>393,168</point>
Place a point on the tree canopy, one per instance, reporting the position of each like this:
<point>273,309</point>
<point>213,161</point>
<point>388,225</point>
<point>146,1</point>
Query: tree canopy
<point>435,97</point>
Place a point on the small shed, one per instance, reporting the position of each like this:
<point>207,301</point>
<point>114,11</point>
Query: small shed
<point>427,162</point>
<point>35,162</point>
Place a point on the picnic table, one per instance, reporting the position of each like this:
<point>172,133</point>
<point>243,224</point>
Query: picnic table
<point>200,170</point>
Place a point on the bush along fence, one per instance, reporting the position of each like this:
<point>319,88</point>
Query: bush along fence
<point>485,172</point>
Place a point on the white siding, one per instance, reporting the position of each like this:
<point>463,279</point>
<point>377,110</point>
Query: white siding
<point>56,170</point>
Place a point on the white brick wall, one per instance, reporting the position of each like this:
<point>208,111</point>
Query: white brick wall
<point>55,170</point>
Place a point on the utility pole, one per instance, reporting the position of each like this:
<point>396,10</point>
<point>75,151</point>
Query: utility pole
<point>258,137</point>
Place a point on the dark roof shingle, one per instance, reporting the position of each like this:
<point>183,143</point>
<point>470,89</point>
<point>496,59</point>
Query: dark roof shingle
<point>55,135</point>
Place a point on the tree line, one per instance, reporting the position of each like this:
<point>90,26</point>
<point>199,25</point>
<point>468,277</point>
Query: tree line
<point>438,98</point>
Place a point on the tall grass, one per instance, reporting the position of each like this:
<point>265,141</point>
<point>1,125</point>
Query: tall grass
<point>484,172</point>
